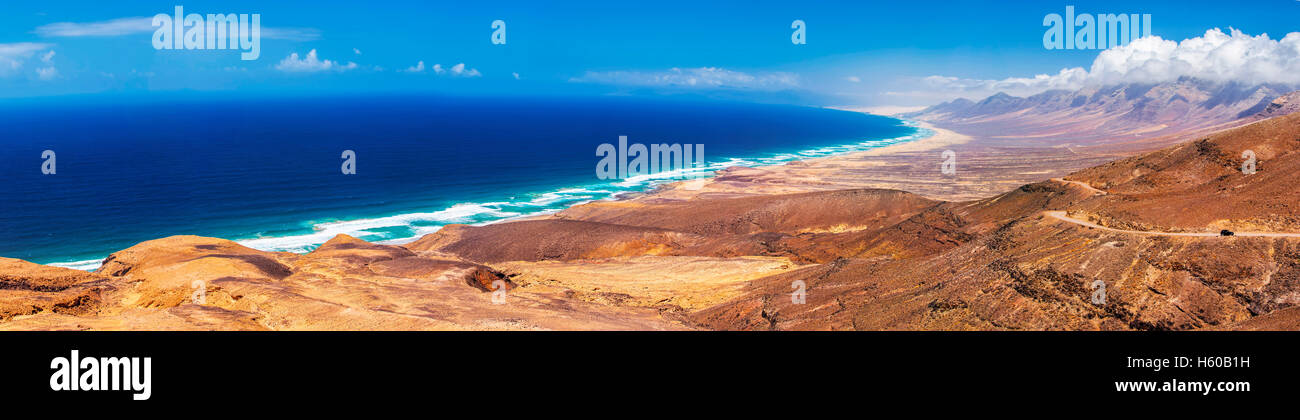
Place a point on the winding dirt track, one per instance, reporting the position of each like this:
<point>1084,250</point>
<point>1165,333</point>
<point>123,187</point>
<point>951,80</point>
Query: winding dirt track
<point>1081,184</point>
<point>1060,215</point>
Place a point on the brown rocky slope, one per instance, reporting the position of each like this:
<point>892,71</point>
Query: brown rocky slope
<point>1019,269</point>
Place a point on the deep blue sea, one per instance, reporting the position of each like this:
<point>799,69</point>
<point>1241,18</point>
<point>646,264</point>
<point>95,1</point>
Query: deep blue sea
<point>266,172</point>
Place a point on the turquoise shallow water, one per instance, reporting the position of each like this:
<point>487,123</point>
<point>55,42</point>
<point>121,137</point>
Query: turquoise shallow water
<point>266,173</point>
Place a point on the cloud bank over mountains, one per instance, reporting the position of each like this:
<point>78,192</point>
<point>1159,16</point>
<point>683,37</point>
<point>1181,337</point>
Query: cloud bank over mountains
<point>1216,57</point>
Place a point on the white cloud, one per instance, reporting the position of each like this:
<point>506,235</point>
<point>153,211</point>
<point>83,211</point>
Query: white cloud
<point>356,51</point>
<point>460,70</point>
<point>311,63</point>
<point>291,34</point>
<point>516,75</point>
<point>943,86</point>
<point>144,24</point>
<point>853,79</point>
<point>114,27</point>
<point>47,73</point>
<point>13,55</point>
<point>417,68</point>
<point>699,77</point>
<point>1215,56</point>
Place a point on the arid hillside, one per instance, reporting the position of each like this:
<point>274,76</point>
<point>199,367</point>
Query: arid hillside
<point>195,283</point>
<point>1201,185</point>
<point>1020,267</point>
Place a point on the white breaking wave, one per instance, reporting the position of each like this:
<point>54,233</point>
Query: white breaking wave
<point>87,265</point>
<point>322,232</point>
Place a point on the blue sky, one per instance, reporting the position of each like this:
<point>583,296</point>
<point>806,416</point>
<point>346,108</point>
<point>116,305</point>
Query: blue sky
<point>857,53</point>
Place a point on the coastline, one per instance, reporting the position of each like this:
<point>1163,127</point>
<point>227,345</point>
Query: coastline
<point>653,186</point>
<point>658,262</point>
<point>813,174</point>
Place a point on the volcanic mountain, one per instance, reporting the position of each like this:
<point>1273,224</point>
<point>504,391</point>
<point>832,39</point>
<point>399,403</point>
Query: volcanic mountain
<point>1101,114</point>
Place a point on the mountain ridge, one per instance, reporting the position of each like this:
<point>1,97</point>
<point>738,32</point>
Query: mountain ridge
<point>1112,112</point>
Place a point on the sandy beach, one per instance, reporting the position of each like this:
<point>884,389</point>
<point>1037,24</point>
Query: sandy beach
<point>914,166</point>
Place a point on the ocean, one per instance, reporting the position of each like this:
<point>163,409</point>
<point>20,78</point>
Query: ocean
<point>265,172</point>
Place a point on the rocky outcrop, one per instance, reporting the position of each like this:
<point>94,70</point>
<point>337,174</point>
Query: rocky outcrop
<point>1283,105</point>
<point>28,289</point>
